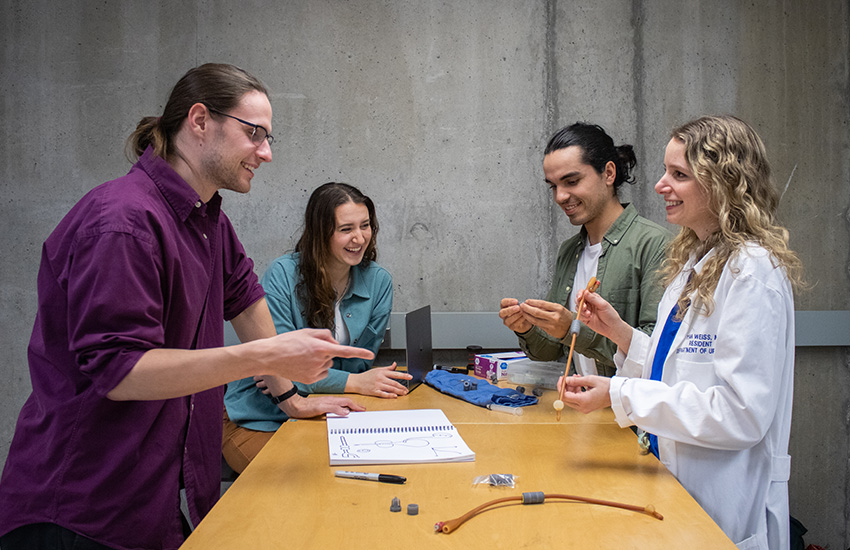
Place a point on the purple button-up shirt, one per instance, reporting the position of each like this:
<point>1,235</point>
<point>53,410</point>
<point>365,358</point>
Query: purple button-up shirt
<point>138,264</point>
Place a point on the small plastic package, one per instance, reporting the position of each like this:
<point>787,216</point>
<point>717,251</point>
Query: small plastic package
<point>496,480</point>
<point>535,373</point>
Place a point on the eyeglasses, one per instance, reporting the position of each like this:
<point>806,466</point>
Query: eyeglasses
<point>257,135</point>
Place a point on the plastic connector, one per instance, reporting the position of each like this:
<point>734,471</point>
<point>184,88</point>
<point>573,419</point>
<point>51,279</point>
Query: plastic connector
<point>536,497</point>
<point>396,505</point>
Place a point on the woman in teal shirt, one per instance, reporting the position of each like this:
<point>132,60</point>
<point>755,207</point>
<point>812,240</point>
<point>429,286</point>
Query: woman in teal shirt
<point>330,281</point>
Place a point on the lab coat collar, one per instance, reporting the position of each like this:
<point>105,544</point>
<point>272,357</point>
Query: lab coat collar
<point>676,288</point>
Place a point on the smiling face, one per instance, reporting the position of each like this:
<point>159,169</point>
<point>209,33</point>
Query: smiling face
<point>687,203</point>
<point>231,157</point>
<point>586,196</point>
<point>351,235</point>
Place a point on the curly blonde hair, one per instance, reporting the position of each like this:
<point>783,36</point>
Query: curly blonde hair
<point>729,161</point>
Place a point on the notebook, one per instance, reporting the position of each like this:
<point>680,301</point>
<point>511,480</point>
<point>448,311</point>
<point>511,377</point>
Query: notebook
<point>420,357</point>
<point>395,437</point>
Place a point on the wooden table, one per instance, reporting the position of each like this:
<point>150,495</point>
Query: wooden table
<point>289,498</point>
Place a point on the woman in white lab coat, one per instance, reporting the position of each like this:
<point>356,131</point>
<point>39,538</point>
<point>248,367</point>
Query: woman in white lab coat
<point>714,395</point>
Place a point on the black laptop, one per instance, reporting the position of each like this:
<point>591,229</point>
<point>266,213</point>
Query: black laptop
<point>420,357</point>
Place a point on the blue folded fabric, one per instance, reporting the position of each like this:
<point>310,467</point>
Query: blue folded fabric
<point>452,384</point>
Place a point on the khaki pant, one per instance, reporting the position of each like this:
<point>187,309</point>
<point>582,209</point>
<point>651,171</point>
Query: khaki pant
<point>240,445</point>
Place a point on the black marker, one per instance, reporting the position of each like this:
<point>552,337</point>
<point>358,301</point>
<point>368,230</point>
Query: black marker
<point>383,478</point>
<point>453,370</point>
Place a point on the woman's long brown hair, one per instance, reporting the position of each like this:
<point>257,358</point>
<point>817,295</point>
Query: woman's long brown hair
<point>315,288</point>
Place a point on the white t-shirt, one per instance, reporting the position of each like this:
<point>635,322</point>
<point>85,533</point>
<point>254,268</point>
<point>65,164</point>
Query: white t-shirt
<point>587,266</point>
<point>340,330</point>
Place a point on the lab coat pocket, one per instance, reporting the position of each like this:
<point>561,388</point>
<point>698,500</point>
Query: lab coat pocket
<point>699,373</point>
<point>755,542</point>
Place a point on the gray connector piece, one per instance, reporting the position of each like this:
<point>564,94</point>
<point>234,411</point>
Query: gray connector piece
<point>396,505</point>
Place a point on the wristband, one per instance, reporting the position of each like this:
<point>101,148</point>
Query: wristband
<point>284,396</point>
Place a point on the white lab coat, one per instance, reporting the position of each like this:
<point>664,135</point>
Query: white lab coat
<point>722,410</point>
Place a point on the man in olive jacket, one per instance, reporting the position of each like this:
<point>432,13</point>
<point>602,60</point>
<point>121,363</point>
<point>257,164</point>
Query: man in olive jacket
<point>621,249</point>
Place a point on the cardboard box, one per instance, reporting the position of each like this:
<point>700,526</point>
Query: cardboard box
<point>488,363</point>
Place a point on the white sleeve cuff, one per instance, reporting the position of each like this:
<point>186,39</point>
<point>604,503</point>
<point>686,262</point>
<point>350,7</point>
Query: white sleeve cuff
<point>617,405</point>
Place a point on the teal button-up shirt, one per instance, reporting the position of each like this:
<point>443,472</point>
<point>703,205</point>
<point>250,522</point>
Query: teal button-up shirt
<point>365,309</point>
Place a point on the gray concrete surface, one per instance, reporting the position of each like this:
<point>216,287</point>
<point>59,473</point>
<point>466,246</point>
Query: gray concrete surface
<point>439,111</point>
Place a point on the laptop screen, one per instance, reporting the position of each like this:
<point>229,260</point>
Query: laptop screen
<point>420,359</point>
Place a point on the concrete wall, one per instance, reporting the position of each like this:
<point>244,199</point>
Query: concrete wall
<point>439,110</point>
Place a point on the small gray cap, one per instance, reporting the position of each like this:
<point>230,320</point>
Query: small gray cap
<point>396,505</point>
<point>412,509</point>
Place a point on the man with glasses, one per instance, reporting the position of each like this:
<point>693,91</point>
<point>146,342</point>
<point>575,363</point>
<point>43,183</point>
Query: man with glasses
<point>258,133</point>
<point>126,355</point>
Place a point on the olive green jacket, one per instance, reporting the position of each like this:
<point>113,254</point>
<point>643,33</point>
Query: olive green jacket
<point>632,251</point>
